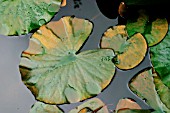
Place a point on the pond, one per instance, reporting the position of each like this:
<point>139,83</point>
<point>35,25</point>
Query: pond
<point>14,95</point>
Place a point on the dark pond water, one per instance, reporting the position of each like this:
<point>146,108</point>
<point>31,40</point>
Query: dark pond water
<point>16,98</point>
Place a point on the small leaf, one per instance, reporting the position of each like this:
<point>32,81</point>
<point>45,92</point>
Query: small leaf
<point>127,104</point>
<point>40,107</point>
<point>93,105</point>
<point>22,16</point>
<point>144,86</point>
<point>130,52</point>
<point>53,69</point>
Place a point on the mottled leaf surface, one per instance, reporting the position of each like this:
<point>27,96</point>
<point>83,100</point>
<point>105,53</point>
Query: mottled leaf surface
<point>40,107</point>
<point>147,87</point>
<point>94,105</point>
<point>130,52</point>
<point>21,16</point>
<point>154,30</point>
<point>161,60</point>
<point>56,72</point>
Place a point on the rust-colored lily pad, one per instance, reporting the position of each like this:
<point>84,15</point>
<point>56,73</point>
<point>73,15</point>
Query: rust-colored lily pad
<point>127,104</point>
<point>148,86</point>
<point>94,105</point>
<point>130,52</point>
<point>40,107</point>
<point>64,3</point>
<point>53,69</point>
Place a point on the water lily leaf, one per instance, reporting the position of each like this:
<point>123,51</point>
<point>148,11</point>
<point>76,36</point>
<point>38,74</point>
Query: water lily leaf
<point>137,24</point>
<point>127,104</point>
<point>134,111</point>
<point>145,87</point>
<point>130,52</point>
<point>163,92</point>
<point>160,59</point>
<point>159,28</point>
<point>154,31</point>
<point>94,105</point>
<point>56,72</point>
<point>40,107</point>
<point>21,16</point>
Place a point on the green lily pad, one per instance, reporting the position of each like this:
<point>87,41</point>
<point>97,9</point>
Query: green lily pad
<point>137,24</point>
<point>158,31</point>
<point>56,72</point>
<point>160,59</point>
<point>40,107</point>
<point>130,52</point>
<point>153,30</point>
<point>146,85</point>
<point>163,91</point>
<point>21,16</point>
<point>94,105</point>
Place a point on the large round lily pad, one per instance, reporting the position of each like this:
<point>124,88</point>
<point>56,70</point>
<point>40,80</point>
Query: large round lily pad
<point>160,59</point>
<point>21,16</point>
<point>54,70</point>
<point>154,30</point>
<point>147,85</point>
<point>130,52</point>
<point>40,107</point>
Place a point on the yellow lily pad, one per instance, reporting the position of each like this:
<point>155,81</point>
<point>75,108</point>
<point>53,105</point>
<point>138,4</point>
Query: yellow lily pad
<point>130,52</point>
